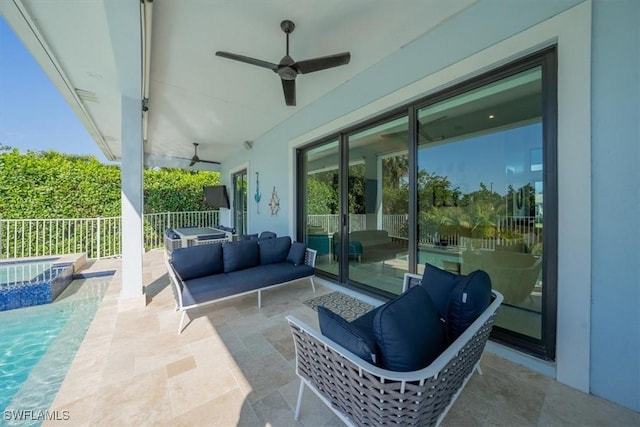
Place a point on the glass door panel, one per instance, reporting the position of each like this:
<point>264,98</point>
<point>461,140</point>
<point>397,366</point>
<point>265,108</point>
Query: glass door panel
<point>240,202</point>
<point>375,249</point>
<point>480,192</point>
<point>320,181</point>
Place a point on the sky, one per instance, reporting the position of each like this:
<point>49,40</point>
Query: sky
<point>33,114</point>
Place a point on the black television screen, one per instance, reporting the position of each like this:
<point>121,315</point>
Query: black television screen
<point>216,196</point>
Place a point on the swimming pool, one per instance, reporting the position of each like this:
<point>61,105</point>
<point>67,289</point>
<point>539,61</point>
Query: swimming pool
<point>38,344</point>
<point>24,283</point>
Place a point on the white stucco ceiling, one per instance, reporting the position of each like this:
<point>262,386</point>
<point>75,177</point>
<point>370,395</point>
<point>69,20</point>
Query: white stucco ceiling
<point>194,95</point>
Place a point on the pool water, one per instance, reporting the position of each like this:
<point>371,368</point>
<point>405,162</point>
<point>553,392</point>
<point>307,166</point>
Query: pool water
<point>38,344</point>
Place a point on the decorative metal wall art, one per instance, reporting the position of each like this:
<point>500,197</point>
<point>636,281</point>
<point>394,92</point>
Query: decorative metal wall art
<point>274,203</point>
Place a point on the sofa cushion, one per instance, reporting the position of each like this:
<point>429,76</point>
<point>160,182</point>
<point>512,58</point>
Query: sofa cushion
<point>348,335</point>
<point>439,284</point>
<point>198,261</point>
<point>240,255</point>
<point>470,297</point>
<point>409,333</point>
<point>274,250</point>
<point>296,253</point>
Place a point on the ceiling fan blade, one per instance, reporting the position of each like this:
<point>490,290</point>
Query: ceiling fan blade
<point>289,88</point>
<point>193,162</point>
<point>322,63</point>
<point>253,61</point>
<point>209,161</point>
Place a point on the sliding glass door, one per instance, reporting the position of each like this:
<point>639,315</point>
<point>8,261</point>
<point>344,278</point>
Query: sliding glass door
<point>463,179</point>
<point>375,247</point>
<point>320,203</point>
<point>240,202</point>
<point>481,193</point>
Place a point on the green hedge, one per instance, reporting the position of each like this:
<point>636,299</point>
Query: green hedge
<point>56,185</point>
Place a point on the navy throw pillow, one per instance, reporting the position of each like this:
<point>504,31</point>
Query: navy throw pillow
<point>240,255</point>
<point>409,333</point>
<point>198,261</point>
<point>267,235</point>
<point>439,284</point>
<point>274,250</point>
<point>470,297</point>
<point>296,253</point>
<point>348,335</point>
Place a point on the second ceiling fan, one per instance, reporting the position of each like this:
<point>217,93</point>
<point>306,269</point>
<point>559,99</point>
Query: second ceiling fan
<point>288,69</point>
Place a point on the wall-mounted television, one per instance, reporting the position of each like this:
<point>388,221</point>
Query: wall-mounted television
<point>216,196</point>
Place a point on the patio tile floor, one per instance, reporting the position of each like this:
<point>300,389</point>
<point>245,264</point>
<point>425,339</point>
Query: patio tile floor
<point>233,365</point>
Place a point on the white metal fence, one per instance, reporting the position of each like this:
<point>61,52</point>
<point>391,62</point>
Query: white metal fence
<point>101,237</point>
<point>397,225</point>
<point>97,237</point>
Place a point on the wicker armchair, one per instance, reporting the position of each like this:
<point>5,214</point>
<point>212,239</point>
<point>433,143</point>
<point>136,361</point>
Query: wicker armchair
<point>362,394</point>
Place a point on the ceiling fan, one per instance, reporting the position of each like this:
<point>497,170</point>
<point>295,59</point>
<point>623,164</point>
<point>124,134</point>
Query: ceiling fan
<point>422,133</point>
<point>288,69</point>
<point>195,159</point>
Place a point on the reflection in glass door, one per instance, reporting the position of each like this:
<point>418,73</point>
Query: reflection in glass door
<point>240,201</point>
<point>376,246</point>
<point>480,192</point>
<point>320,180</point>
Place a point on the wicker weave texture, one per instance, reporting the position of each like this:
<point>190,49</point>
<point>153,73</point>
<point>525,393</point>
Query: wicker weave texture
<point>172,244</point>
<point>368,399</point>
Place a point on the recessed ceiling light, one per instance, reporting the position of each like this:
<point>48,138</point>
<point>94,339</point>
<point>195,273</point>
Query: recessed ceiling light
<point>491,116</point>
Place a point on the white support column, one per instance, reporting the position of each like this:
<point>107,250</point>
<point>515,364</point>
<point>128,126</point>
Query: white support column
<point>132,203</point>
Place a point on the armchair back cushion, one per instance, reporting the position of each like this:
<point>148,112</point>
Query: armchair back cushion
<point>240,255</point>
<point>470,297</point>
<point>439,284</point>
<point>348,335</point>
<point>197,261</point>
<point>408,331</point>
<point>273,250</point>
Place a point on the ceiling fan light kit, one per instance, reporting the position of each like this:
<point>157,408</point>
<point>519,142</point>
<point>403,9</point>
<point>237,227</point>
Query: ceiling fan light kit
<point>288,69</point>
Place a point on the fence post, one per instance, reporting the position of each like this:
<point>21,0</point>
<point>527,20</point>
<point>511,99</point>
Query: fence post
<point>99,238</point>
<point>168,220</point>
<point>1,238</point>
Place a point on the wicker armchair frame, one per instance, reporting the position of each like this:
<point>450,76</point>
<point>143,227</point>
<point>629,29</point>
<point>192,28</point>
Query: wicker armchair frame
<point>363,395</point>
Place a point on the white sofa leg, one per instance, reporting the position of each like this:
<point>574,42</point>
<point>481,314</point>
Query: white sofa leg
<point>478,368</point>
<point>259,299</point>
<point>313,286</point>
<point>300,392</point>
<point>184,313</point>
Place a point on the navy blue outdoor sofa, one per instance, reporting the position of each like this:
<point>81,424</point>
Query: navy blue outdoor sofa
<point>205,274</point>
